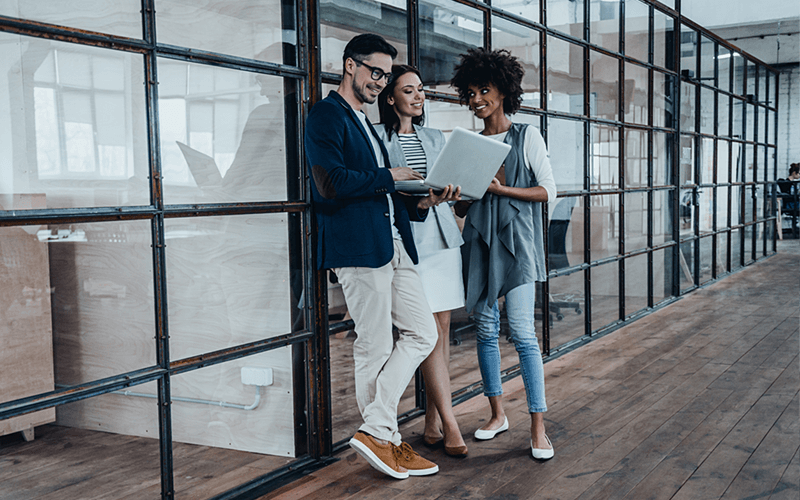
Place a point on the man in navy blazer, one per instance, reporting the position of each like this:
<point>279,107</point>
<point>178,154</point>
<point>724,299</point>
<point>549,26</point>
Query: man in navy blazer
<point>365,236</point>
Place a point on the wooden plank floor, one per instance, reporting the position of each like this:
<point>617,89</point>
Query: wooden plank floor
<point>699,400</point>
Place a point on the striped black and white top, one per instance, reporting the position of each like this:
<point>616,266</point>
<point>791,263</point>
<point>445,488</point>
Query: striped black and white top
<point>415,155</point>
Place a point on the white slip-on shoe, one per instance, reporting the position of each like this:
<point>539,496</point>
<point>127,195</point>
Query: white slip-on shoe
<point>541,453</point>
<point>483,434</point>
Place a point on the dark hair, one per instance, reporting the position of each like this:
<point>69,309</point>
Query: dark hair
<point>481,66</point>
<point>366,44</point>
<point>388,115</point>
<point>794,168</point>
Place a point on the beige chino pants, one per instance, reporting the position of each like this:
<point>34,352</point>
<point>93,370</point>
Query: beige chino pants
<point>376,298</point>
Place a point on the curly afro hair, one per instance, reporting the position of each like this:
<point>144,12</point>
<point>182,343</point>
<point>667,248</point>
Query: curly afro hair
<point>481,66</point>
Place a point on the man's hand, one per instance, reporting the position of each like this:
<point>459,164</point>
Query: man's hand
<point>405,174</point>
<point>495,187</point>
<point>448,194</point>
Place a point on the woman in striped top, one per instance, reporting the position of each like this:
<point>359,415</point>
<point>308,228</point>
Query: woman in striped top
<point>437,240</point>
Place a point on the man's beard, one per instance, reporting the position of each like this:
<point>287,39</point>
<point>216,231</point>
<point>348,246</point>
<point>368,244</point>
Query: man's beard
<point>363,95</point>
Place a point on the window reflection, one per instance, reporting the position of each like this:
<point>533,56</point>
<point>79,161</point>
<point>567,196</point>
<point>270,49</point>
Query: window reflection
<point>604,86</point>
<point>115,17</point>
<point>636,94</point>
<point>636,158</point>
<point>662,40</point>
<point>254,29</point>
<point>565,143</point>
<point>79,131</point>
<point>566,16</point>
<point>604,159</point>
<point>223,135</point>
<point>637,29</point>
<point>524,43</point>
<point>662,158</point>
<point>688,99</point>
<point>604,227</point>
<point>564,76</point>
<point>663,100</point>
<point>708,99</point>
<point>529,9</point>
<point>604,23</point>
<point>635,221</point>
<point>707,47</point>
<point>446,30</point>
<point>341,20</point>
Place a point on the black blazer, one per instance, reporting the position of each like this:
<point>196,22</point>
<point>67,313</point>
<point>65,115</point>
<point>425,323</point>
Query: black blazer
<point>349,191</point>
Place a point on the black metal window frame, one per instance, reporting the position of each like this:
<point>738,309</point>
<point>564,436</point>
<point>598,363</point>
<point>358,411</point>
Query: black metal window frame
<point>311,349</point>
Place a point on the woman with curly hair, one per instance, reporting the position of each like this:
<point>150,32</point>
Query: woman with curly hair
<point>438,239</point>
<point>503,251</point>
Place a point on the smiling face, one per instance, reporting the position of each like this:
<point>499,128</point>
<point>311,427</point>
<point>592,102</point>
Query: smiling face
<point>408,96</point>
<point>485,100</point>
<point>364,87</point>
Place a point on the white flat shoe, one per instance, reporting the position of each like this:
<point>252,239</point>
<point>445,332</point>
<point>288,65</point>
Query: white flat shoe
<point>483,435</point>
<point>543,454</point>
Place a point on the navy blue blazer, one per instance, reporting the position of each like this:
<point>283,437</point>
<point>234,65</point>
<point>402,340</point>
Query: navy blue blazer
<point>349,191</point>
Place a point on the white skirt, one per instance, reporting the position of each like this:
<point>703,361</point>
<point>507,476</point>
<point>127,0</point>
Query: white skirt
<point>442,282</point>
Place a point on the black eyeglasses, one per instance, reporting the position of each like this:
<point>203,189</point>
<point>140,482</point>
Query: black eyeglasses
<point>377,73</point>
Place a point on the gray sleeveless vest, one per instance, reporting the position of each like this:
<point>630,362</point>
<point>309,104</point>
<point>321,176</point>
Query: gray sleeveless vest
<point>503,244</point>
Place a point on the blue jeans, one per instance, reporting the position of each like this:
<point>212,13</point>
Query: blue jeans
<point>520,312</point>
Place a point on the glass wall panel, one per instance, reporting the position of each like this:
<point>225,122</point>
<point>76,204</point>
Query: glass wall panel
<point>724,69</point>
<point>662,274</point>
<point>688,101</point>
<point>663,100</point>
<point>604,23</point>
<point>687,160</point>
<point>74,128</point>
<point>635,221</point>
<point>723,192</point>
<point>604,230</point>
<point>567,293</point>
<point>662,158</point>
<point>738,114</point>
<point>635,158</point>
<point>723,162</point>
<point>761,125</point>
<point>603,86</point>
<point>604,157</point>
<point>446,30</point>
<point>565,143</point>
<point>254,29</point>
<point>566,16</point>
<point>637,29</point>
<point>738,74</point>
<point>736,249</point>
<point>737,216</point>
<point>770,165</point>
<point>686,262</point>
<point>115,17</point>
<point>605,295</point>
<point>662,216</point>
<point>707,58</point>
<point>750,122</point>
<point>223,134</point>
<point>564,76</point>
<point>723,115</point>
<point>527,9</point>
<point>446,116</point>
<point>689,50</point>
<point>525,44</point>
<point>342,20</point>
<point>706,258</point>
<point>749,165</point>
<point>86,454</point>
<point>635,284</point>
<point>565,233</point>
<point>636,94</point>
<point>663,36</point>
<point>752,77</point>
<point>96,290</point>
<point>708,99</point>
<point>706,155</point>
<point>669,3</point>
<point>232,419</point>
<point>722,252</point>
<point>228,281</point>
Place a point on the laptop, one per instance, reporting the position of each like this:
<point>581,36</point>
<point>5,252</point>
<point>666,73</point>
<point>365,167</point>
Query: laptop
<point>203,167</point>
<point>468,159</point>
